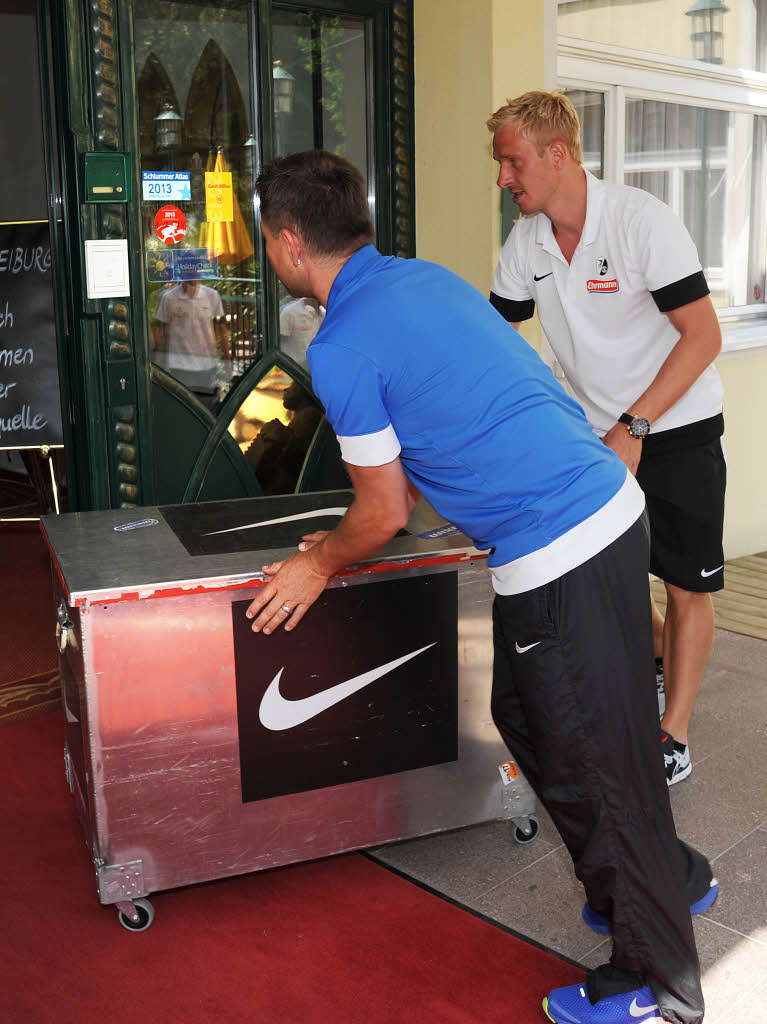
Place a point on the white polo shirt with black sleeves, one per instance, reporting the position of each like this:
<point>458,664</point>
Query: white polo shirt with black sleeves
<point>412,362</point>
<point>604,313</point>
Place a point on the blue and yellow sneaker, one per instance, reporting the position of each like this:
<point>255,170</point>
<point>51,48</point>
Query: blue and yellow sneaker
<point>600,924</point>
<point>572,1005</point>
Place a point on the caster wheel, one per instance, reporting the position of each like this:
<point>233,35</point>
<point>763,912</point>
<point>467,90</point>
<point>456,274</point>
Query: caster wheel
<point>145,912</point>
<point>523,837</point>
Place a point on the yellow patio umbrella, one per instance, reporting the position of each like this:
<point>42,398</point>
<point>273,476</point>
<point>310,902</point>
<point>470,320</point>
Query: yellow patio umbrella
<point>229,238</point>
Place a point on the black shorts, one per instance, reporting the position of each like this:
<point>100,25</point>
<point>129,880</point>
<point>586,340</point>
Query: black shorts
<point>683,474</point>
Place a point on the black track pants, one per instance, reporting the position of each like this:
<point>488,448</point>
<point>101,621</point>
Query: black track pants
<point>574,699</point>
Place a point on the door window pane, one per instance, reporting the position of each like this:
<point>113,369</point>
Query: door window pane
<point>708,166</point>
<point>321,101</point>
<point>712,31</point>
<point>193,66</point>
<point>320,74</point>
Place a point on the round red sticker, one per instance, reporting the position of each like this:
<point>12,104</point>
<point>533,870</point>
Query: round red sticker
<point>170,224</point>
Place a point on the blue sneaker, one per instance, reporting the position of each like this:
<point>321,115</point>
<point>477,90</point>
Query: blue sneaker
<point>600,924</point>
<point>572,1005</point>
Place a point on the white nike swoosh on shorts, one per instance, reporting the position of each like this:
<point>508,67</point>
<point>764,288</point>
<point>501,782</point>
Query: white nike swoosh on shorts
<point>277,713</point>
<point>711,572</point>
<point>318,513</point>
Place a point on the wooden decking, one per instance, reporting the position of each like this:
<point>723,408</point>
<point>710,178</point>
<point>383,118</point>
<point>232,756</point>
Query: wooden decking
<point>742,606</point>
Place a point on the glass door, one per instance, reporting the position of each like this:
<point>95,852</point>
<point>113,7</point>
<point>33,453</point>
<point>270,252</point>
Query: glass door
<point>321,99</point>
<point>221,86</point>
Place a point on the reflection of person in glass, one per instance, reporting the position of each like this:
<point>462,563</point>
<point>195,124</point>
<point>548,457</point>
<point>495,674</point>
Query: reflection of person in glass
<point>511,459</point>
<point>277,453</point>
<point>189,336</point>
<point>300,319</point>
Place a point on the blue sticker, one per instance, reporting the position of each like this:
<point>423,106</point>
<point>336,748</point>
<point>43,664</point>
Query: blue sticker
<point>441,531</point>
<point>137,525</point>
<point>166,186</point>
<point>195,264</point>
<point>163,265</point>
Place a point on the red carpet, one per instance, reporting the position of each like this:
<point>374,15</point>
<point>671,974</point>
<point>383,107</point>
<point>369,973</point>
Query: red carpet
<point>339,941</point>
<point>29,681</point>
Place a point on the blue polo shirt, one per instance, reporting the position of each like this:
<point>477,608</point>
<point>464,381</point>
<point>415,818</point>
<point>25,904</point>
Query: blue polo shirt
<point>412,361</point>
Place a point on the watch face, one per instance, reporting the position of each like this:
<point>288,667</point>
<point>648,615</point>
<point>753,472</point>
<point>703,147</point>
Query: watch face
<point>639,427</point>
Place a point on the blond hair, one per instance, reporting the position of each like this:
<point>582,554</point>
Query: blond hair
<point>542,118</point>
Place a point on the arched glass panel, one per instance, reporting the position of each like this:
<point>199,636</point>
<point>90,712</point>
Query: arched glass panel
<point>156,89</point>
<point>274,428</point>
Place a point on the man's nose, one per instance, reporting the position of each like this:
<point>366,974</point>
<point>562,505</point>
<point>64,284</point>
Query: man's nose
<point>504,178</point>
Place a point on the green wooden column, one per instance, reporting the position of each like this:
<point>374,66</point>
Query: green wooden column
<point>99,335</point>
<point>402,127</point>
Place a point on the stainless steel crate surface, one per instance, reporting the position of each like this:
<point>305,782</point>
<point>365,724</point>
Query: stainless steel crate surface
<point>150,684</point>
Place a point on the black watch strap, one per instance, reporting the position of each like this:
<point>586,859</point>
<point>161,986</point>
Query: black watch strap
<point>637,426</point>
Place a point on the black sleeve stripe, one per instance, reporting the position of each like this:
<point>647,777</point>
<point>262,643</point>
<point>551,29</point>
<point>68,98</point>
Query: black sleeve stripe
<point>680,293</point>
<point>514,312</point>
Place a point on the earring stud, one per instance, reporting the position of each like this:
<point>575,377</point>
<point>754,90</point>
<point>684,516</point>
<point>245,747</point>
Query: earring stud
<point>298,263</point>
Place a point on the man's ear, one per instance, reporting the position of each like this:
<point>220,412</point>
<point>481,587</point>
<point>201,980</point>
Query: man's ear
<point>559,152</point>
<point>294,244</point>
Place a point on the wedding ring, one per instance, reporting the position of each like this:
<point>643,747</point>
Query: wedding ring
<point>286,608</point>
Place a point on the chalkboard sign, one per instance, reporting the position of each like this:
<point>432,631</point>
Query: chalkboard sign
<point>30,404</point>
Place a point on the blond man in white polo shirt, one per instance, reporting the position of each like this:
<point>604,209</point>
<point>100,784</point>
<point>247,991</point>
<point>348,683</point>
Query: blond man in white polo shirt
<point>190,338</point>
<point>625,306</point>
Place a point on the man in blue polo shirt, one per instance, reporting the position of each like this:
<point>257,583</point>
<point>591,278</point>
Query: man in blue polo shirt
<point>502,451</point>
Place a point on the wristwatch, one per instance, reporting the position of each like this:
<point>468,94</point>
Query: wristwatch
<point>637,426</point>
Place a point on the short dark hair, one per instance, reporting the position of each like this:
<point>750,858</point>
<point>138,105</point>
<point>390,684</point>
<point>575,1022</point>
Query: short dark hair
<point>320,196</point>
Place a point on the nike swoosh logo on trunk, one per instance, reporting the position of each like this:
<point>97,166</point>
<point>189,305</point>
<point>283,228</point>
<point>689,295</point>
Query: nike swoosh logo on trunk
<point>277,713</point>
<point>316,514</point>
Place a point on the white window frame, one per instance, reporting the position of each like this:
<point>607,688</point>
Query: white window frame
<point>618,72</point>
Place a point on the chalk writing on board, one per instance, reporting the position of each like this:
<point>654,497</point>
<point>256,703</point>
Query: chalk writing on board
<point>30,406</point>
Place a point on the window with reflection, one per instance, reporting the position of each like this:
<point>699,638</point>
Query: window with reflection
<point>708,166</point>
<point>322,100</point>
<point>699,144</point>
<point>275,427</point>
<point>591,113</point>
<point>196,138</point>
<point>711,31</point>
